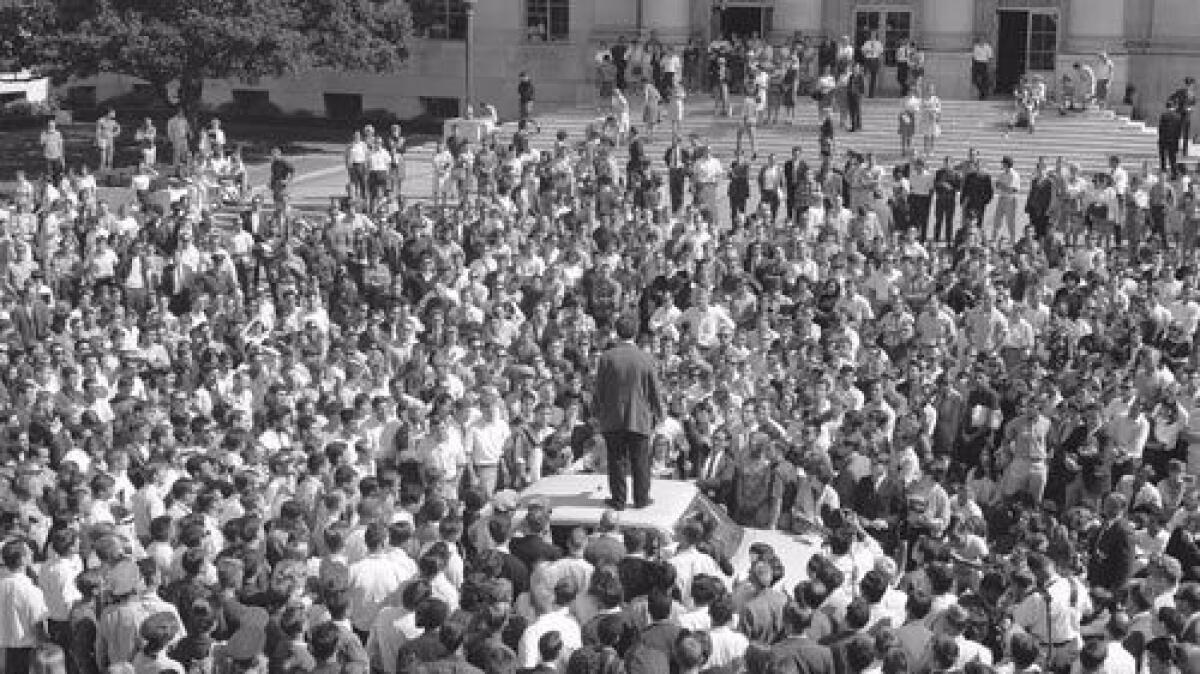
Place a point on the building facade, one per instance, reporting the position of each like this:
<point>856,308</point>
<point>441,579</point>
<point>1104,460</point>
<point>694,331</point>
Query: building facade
<point>1154,44</point>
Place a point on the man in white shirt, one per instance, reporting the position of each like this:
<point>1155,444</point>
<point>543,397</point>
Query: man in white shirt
<point>1008,184</point>
<point>373,579</point>
<point>486,439</point>
<point>872,53</point>
<point>23,609</point>
<point>981,61</point>
<point>1104,74</point>
<point>690,562</point>
<point>705,320</point>
<point>555,618</point>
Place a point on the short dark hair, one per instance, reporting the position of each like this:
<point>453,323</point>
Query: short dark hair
<point>721,610</point>
<point>550,645</point>
<point>659,603</point>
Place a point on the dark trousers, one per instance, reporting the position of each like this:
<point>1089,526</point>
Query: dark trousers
<point>1041,225</point>
<point>973,213</point>
<point>771,199</point>
<point>918,209</point>
<point>675,184</point>
<point>1158,221</point>
<point>979,77</point>
<point>872,76</point>
<point>1168,155</point>
<point>902,77</point>
<point>358,180</point>
<point>943,219</point>
<point>18,660</point>
<point>1185,131</point>
<point>628,452</point>
<point>854,103</point>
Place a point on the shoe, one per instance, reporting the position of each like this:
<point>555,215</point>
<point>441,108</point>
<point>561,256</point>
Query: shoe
<point>612,503</point>
<point>645,504</point>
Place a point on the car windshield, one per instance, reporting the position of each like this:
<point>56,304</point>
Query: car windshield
<point>724,532</point>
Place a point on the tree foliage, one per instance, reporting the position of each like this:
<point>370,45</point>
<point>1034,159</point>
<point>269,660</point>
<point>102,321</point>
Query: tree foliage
<point>184,42</point>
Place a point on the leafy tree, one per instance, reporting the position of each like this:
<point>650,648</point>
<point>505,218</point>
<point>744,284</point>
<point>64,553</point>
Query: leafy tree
<point>184,42</point>
<point>19,26</point>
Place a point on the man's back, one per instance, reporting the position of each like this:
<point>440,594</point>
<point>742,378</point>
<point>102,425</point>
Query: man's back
<point>626,391</point>
<point>1169,125</point>
<point>801,655</point>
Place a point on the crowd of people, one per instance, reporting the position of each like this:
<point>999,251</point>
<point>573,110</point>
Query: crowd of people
<point>299,444</point>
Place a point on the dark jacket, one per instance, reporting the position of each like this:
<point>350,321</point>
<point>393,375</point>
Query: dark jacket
<point>1111,563</point>
<point>1170,127</point>
<point>628,393</point>
<point>801,655</point>
<point>532,549</point>
<point>977,189</point>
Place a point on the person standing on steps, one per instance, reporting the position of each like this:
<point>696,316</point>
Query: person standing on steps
<point>628,406</point>
<point>855,88</point>
<point>1104,74</point>
<point>872,53</point>
<point>981,66</point>
<point>107,131</point>
<point>904,55</point>
<point>1170,126</point>
<point>526,94</point>
<point>1185,103</point>
<point>179,132</point>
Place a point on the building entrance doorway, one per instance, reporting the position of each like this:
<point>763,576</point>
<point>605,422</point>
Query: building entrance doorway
<point>893,28</point>
<point>746,21</point>
<point>1027,44</point>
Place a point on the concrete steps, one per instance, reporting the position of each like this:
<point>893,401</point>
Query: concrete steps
<point>1088,138</point>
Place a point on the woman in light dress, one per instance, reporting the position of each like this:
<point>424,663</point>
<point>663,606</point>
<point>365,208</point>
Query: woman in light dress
<point>651,110</point>
<point>676,109</point>
<point>907,119</point>
<point>931,118</point>
<point>621,112</point>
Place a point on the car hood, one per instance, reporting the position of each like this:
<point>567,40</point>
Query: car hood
<point>793,550</point>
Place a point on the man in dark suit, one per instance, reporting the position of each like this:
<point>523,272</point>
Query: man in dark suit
<point>628,404</point>
<point>533,546</point>
<point>856,88</point>
<point>1185,102</point>
<point>797,653</point>
<point>793,170</point>
<point>1170,129</point>
<point>678,159</point>
<point>1111,563</point>
<point>511,567</point>
<point>715,475</point>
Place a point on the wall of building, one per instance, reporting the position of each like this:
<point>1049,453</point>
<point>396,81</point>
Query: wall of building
<point>1152,42</point>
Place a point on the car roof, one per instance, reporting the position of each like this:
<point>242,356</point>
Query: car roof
<point>578,500</point>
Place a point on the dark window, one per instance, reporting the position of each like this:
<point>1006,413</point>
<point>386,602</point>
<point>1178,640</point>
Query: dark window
<point>81,97</point>
<point>897,31</point>
<point>1043,41</point>
<point>894,28</point>
<point>439,19</point>
<point>11,96</point>
<point>439,108</point>
<point>251,98</point>
<point>548,20</point>
<point>346,107</point>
